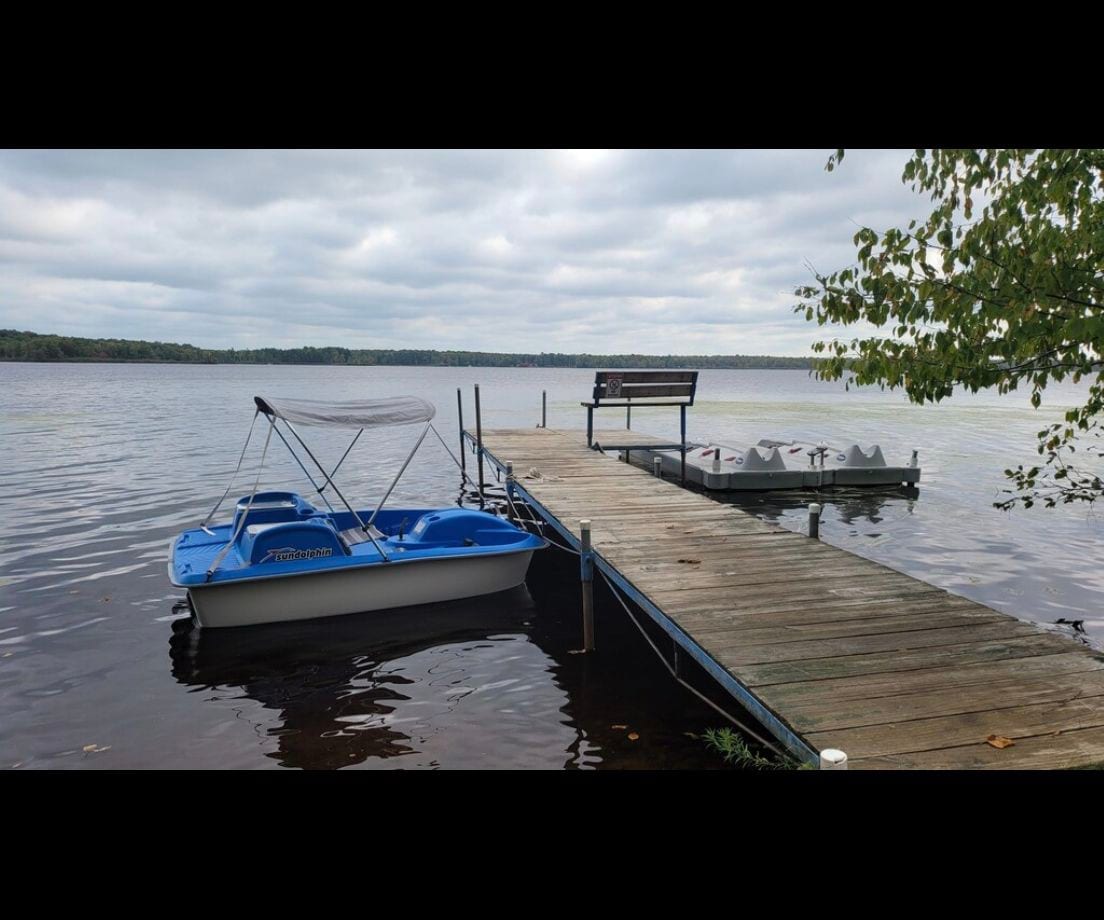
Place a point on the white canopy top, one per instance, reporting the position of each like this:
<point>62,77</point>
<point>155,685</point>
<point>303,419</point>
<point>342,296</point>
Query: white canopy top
<point>362,413</point>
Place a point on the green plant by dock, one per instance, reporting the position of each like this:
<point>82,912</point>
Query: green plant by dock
<point>738,753</point>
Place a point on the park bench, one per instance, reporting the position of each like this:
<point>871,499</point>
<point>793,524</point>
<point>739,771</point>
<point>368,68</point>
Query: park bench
<point>626,389</point>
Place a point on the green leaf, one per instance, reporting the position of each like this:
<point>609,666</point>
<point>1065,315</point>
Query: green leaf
<point>1016,298</point>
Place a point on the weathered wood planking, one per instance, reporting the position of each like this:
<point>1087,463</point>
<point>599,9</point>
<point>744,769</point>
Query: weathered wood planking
<point>828,648</point>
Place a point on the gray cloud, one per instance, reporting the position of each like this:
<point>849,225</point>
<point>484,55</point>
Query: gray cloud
<point>652,251</point>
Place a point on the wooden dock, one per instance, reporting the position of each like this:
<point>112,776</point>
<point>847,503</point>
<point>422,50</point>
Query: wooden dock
<point>825,648</point>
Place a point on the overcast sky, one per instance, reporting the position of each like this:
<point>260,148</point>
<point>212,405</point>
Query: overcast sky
<point>657,252</point>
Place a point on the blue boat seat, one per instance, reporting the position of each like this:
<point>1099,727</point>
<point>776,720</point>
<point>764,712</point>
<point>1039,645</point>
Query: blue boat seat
<point>290,541</point>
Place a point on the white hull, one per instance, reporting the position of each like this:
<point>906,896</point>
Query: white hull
<point>355,590</point>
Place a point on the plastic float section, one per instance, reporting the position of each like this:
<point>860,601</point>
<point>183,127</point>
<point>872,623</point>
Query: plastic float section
<point>720,468</point>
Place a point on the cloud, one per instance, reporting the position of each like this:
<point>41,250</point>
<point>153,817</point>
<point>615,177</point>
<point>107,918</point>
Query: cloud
<point>565,250</point>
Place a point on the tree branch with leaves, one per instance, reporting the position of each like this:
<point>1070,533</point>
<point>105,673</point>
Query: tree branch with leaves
<point>1001,286</point>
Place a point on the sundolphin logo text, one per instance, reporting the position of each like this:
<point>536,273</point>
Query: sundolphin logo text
<point>288,554</point>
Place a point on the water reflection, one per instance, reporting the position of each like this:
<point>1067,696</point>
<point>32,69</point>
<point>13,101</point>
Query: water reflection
<point>848,506</point>
<point>484,683</point>
<point>356,688</point>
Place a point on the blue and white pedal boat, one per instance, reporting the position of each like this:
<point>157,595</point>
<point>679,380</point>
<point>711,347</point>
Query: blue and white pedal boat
<point>282,558</point>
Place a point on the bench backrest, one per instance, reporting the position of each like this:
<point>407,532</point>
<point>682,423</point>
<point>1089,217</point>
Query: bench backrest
<point>625,388</point>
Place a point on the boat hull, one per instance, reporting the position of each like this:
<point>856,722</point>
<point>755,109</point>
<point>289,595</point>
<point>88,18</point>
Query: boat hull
<point>359,589</point>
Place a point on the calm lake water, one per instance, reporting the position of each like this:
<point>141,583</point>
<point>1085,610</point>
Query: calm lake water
<point>103,464</point>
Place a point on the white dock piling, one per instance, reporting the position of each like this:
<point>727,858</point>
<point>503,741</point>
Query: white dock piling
<point>814,521</point>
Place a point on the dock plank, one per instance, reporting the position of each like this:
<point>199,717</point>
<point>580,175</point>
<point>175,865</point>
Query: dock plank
<point>836,650</point>
<point>827,714</point>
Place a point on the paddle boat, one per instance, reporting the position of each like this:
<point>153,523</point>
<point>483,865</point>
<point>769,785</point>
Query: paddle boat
<point>282,558</point>
<point>774,465</point>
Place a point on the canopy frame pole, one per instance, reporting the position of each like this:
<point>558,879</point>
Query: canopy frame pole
<point>398,476</point>
<point>344,500</point>
<point>459,465</point>
<point>306,473</point>
<point>333,472</point>
<point>245,515</point>
<point>234,476</point>
<point>460,420</point>
<point>479,442</point>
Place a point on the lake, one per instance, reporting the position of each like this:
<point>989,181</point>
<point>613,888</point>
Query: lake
<point>104,463</point>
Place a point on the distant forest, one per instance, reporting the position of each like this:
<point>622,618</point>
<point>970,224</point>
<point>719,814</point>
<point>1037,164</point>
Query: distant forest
<point>30,346</point>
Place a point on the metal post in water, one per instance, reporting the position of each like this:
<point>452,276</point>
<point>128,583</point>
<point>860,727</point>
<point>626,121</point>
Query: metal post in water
<point>657,466</point>
<point>628,413</point>
<point>831,759</point>
<point>479,445</point>
<point>814,521</point>
<point>544,408</point>
<point>509,489</point>
<point>682,434</point>
<point>586,576</point>
<point>460,422</point>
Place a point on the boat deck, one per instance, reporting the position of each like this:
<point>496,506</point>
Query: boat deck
<point>827,649</point>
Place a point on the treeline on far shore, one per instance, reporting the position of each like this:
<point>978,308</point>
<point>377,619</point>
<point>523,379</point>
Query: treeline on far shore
<point>31,346</point>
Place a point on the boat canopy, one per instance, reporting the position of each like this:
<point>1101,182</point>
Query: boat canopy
<point>359,414</point>
<point>362,413</point>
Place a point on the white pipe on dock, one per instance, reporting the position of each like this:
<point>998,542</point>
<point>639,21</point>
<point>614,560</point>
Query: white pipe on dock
<point>831,759</point>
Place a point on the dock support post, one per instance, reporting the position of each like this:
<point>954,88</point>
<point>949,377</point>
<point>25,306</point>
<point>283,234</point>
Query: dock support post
<point>657,466</point>
<point>479,442</point>
<point>460,422</point>
<point>510,489</point>
<point>831,759</point>
<point>814,521</point>
<point>628,413</point>
<point>682,429</point>
<point>586,575</point>
<point>544,408</point>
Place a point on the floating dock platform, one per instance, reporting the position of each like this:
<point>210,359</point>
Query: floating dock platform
<point>719,468</point>
<point>826,649</point>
